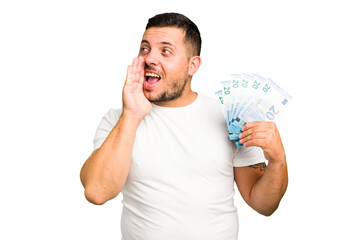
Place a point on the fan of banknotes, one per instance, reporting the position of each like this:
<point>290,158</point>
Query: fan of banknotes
<point>250,97</point>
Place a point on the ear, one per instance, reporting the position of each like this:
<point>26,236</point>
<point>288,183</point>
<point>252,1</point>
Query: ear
<point>194,65</point>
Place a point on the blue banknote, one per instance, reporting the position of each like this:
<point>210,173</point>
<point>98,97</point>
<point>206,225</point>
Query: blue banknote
<point>250,97</point>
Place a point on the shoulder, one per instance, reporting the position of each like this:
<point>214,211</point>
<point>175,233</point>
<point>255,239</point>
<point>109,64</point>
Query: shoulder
<point>106,124</point>
<point>112,116</point>
<point>210,103</point>
<point>114,113</point>
<point>207,99</point>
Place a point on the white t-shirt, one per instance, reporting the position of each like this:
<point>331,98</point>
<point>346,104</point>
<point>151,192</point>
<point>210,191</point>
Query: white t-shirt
<point>181,181</point>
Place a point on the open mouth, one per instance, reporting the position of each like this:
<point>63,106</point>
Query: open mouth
<point>151,79</point>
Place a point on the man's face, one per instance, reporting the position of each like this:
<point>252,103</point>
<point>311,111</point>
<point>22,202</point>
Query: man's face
<point>166,64</point>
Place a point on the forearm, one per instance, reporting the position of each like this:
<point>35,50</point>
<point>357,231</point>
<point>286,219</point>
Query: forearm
<point>105,172</point>
<point>267,192</point>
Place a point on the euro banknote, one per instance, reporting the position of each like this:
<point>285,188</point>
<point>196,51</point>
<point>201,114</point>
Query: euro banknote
<point>250,97</point>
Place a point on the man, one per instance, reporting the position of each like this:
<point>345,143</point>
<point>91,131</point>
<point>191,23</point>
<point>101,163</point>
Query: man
<point>168,152</point>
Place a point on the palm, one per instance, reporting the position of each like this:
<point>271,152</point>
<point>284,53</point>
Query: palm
<point>134,100</point>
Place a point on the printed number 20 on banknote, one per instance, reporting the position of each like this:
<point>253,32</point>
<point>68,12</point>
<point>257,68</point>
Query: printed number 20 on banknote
<point>250,97</point>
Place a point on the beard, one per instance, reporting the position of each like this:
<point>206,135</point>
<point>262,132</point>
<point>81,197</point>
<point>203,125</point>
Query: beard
<point>174,92</point>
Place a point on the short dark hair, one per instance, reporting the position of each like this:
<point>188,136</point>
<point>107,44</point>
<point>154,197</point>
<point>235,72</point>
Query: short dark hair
<point>192,33</point>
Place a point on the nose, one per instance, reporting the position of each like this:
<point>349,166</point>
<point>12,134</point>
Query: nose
<point>152,58</point>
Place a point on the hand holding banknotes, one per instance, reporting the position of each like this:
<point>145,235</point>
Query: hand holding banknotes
<point>248,98</point>
<point>251,104</point>
<point>266,136</point>
<point>134,100</point>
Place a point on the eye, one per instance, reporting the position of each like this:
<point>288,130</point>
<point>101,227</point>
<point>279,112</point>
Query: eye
<point>166,51</point>
<point>144,50</point>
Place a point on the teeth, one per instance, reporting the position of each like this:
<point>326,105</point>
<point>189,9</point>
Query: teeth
<point>152,75</point>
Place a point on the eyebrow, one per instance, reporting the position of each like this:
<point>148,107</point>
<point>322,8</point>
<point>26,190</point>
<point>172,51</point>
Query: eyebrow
<point>166,43</point>
<point>162,43</point>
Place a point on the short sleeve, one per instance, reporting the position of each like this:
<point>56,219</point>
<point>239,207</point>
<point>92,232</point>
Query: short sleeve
<point>246,156</point>
<point>107,123</point>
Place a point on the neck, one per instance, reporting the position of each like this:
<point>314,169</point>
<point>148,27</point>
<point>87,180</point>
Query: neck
<point>187,97</point>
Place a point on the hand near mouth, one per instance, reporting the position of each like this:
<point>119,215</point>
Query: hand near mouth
<point>135,104</point>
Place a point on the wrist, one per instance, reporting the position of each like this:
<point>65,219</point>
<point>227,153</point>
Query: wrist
<point>130,117</point>
<point>128,122</point>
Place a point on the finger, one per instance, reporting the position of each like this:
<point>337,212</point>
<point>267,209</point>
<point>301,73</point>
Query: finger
<point>258,135</point>
<point>256,124</point>
<point>256,143</point>
<point>129,75</point>
<point>130,78</point>
<point>141,70</point>
<point>136,70</point>
<point>139,75</point>
<point>254,129</point>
